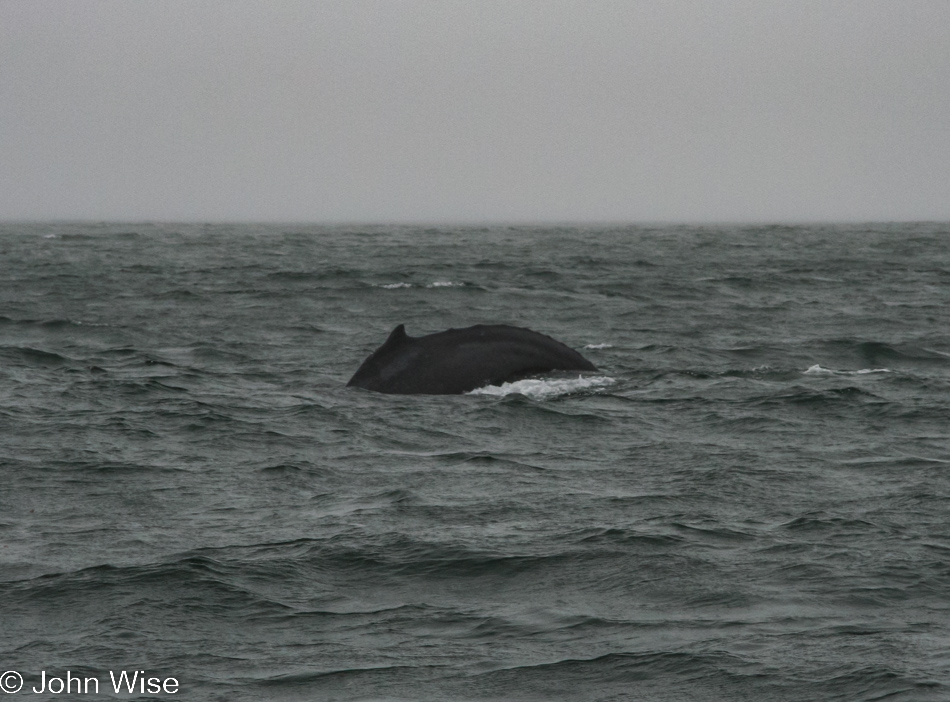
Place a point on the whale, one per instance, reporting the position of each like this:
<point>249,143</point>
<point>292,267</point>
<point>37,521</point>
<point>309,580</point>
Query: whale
<point>456,361</point>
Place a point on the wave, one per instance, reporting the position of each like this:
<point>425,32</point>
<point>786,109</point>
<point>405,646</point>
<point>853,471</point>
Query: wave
<point>546,388</point>
<point>873,352</point>
<point>433,284</point>
<point>33,356</point>
<point>807,396</point>
<point>630,667</point>
<point>820,370</point>
<point>53,323</point>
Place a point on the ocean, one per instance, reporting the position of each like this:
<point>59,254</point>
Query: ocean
<point>749,501</point>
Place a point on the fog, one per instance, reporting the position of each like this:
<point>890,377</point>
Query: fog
<point>434,110</point>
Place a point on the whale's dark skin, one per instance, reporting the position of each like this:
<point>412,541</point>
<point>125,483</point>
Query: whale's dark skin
<point>458,360</point>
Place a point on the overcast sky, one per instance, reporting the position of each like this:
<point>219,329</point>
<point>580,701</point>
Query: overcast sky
<point>479,110</point>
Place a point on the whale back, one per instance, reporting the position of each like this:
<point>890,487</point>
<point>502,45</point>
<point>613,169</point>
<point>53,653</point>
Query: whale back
<point>459,360</point>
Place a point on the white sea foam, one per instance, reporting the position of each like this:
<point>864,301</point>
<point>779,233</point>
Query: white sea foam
<point>545,388</point>
<point>434,284</point>
<point>599,346</point>
<point>819,370</point>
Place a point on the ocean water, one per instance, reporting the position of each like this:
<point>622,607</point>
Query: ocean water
<point>750,500</point>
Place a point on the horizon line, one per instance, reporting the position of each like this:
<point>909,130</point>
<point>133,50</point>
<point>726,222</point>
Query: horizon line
<point>473,223</point>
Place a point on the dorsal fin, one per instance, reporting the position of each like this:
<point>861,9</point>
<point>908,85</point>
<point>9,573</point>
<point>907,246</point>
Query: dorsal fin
<point>396,337</point>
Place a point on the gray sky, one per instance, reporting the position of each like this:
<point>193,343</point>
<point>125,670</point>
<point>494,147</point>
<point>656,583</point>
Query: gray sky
<point>482,110</point>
